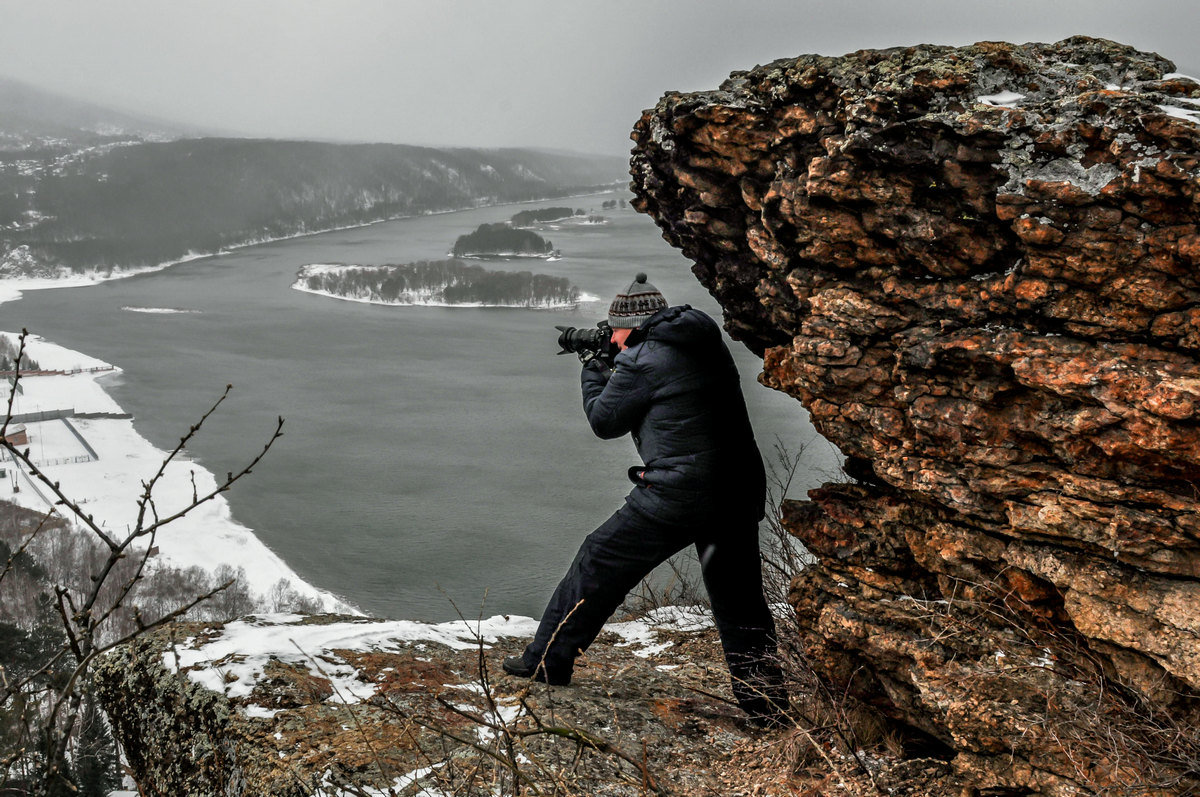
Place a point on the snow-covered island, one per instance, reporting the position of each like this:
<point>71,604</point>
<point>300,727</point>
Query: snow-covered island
<point>82,439</point>
<point>439,283</point>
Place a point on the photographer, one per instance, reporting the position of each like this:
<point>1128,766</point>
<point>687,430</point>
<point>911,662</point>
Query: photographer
<point>667,377</point>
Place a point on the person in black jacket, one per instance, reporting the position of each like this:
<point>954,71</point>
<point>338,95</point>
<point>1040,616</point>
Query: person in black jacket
<point>675,388</point>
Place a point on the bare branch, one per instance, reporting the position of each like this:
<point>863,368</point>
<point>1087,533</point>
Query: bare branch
<point>86,661</point>
<point>16,381</point>
<point>230,479</point>
<point>183,441</point>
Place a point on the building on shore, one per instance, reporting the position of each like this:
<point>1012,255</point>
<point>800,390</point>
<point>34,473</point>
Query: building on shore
<point>16,434</point>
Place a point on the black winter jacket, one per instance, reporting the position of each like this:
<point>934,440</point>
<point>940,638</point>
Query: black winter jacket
<point>676,389</point>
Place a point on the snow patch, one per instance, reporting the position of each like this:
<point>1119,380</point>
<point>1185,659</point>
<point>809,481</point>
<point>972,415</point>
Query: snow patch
<point>232,661</point>
<point>643,632</point>
<point>1003,99</point>
<point>1187,114</point>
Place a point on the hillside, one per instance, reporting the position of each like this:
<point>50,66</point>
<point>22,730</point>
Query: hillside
<point>130,204</point>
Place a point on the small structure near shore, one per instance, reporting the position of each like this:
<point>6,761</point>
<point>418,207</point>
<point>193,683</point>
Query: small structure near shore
<point>16,434</point>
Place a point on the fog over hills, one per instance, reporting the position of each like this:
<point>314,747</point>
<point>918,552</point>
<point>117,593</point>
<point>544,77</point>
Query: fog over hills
<point>84,188</point>
<point>29,114</point>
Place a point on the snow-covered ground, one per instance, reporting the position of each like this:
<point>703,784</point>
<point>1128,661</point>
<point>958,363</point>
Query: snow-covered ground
<point>232,660</point>
<point>108,487</point>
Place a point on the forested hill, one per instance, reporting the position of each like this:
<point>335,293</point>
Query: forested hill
<point>141,203</point>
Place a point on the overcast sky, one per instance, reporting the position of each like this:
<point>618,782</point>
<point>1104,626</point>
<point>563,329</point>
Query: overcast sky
<point>565,74</point>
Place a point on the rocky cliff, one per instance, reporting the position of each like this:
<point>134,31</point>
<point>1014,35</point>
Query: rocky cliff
<point>977,268</point>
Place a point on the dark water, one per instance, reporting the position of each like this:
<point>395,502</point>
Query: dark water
<point>430,454</point>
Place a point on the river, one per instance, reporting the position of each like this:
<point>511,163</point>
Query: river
<point>432,457</point>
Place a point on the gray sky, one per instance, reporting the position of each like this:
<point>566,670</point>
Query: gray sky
<point>566,74</point>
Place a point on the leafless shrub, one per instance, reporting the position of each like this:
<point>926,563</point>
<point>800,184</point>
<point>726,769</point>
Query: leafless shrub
<point>516,747</point>
<point>676,583</point>
<point>94,577</point>
<point>284,597</point>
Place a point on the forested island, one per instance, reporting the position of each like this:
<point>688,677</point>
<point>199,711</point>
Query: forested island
<point>528,218</point>
<point>438,283</point>
<point>502,240</point>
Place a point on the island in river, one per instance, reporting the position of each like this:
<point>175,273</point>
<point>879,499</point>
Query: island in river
<point>442,283</point>
<point>502,241</point>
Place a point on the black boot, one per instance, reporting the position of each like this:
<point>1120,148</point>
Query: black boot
<point>515,665</point>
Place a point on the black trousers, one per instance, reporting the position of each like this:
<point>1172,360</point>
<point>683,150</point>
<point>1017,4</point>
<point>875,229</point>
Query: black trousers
<point>614,558</point>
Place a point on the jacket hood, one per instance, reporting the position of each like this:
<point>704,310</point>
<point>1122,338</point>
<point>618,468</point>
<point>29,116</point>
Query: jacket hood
<point>681,325</point>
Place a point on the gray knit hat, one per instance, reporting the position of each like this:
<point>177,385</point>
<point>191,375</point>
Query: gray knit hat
<point>634,305</point>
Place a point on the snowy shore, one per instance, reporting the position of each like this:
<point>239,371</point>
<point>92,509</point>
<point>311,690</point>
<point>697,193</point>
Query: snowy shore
<point>12,287</point>
<point>107,479</point>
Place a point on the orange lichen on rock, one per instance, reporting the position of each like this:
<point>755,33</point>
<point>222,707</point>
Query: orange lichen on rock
<point>975,267</point>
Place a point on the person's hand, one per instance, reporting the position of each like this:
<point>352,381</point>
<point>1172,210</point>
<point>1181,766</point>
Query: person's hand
<point>594,360</point>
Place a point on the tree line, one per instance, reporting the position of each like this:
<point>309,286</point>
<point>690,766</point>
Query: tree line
<point>542,215</point>
<point>442,282</point>
<point>500,239</point>
<point>149,203</point>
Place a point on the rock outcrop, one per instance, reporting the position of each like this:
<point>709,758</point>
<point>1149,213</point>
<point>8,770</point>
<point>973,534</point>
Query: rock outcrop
<point>979,270</point>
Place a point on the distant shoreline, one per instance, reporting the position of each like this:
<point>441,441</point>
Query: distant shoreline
<point>12,288</point>
<point>109,482</point>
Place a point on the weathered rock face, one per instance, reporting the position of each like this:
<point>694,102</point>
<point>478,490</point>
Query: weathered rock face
<point>978,270</point>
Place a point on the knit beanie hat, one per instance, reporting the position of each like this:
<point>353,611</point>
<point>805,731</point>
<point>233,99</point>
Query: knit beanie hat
<point>634,305</point>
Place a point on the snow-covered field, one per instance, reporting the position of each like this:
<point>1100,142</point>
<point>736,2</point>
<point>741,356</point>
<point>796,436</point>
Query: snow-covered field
<point>232,661</point>
<point>108,488</point>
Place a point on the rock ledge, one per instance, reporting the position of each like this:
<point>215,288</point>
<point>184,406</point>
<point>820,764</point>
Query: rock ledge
<point>977,269</point>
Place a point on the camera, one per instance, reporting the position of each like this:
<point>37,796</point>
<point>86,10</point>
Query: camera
<point>598,342</point>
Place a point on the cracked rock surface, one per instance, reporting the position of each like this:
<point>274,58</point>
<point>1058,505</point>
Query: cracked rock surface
<point>977,268</point>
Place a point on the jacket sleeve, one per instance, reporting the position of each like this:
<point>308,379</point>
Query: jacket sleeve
<point>615,401</point>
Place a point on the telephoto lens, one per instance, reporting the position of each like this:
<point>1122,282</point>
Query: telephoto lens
<point>573,339</point>
<point>598,340</point>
